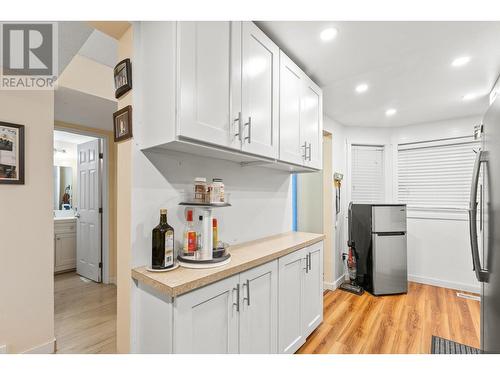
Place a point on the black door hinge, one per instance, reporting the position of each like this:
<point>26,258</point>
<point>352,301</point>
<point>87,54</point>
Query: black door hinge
<point>100,264</point>
<point>101,155</point>
<point>100,210</point>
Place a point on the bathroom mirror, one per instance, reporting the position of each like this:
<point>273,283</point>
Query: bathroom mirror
<point>63,188</point>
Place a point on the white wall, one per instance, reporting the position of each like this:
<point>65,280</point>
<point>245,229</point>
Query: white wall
<point>438,244</point>
<point>27,229</point>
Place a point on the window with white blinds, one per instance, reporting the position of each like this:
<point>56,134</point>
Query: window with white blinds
<point>367,174</point>
<point>437,174</point>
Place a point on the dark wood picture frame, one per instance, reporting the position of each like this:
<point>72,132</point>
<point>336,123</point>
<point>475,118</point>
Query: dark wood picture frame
<point>126,111</point>
<point>20,161</point>
<point>124,66</point>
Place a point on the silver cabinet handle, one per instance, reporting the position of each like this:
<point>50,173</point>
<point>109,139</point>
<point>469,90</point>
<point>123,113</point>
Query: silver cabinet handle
<point>309,157</point>
<point>307,264</point>
<point>304,146</point>
<point>249,124</point>
<point>309,258</point>
<point>237,303</point>
<point>247,298</point>
<point>481,274</point>
<point>237,121</point>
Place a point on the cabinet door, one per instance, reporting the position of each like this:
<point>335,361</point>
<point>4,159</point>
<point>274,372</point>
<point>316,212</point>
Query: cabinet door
<point>65,251</point>
<point>313,289</point>
<point>291,86</point>
<point>259,310</point>
<point>206,319</point>
<point>312,123</point>
<point>290,296</point>
<point>207,57</point>
<point>260,69</point>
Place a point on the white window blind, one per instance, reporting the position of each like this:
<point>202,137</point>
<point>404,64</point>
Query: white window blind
<point>367,174</point>
<point>436,174</point>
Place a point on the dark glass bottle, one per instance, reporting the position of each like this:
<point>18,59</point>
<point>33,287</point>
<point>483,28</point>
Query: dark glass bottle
<point>163,244</point>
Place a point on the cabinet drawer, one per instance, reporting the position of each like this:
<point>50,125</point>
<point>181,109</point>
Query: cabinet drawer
<point>64,227</point>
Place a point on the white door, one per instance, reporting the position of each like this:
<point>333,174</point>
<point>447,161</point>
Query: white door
<point>311,116</point>
<point>88,229</point>
<point>260,90</point>
<point>290,298</point>
<point>210,71</point>
<point>313,288</point>
<point>206,319</point>
<point>291,82</point>
<point>259,310</point>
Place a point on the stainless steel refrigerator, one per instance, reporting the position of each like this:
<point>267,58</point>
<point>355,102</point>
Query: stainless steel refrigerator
<point>484,221</point>
<point>378,233</point>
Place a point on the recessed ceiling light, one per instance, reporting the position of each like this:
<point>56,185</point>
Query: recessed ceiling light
<point>328,34</point>
<point>460,61</point>
<point>390,112</point>
<point>362,87</point>
<point>469,96</point>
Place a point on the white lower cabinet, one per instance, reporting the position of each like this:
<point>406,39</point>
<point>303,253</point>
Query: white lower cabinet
<point>300,296</point>
<point>64,246</point>
<point>259,310</point>
<point>269,309</point>
<point>206,319</point>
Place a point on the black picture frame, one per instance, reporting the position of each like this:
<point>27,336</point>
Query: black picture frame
<point>122,130</point>
<point>19,158</point>
<point>122,77</point>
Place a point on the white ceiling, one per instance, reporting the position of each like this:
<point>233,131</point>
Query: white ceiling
<point>407,66</point>
<point>63,136</point>
<point>101,48</point>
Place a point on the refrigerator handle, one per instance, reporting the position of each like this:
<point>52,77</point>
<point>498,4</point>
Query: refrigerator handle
<point>476,260</point>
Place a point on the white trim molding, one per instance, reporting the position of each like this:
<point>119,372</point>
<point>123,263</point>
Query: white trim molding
<point>332,286</point>
<point>46,348</point>
<point>445,284</point>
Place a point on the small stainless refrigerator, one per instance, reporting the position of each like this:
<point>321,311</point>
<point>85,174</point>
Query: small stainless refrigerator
<point>378,232</point>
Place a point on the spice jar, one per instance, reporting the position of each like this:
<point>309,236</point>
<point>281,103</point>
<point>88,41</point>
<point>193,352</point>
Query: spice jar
<point>200,190</point>
<point>217,191</point>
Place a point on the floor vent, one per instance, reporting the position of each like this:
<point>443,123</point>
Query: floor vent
<point>468,296</point>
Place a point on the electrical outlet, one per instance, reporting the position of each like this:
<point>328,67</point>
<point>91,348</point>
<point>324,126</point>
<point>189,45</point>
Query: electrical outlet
<point>3,349</point>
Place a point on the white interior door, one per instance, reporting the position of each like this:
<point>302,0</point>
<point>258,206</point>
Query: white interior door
<point>88,229</point>
<point>260,71</point>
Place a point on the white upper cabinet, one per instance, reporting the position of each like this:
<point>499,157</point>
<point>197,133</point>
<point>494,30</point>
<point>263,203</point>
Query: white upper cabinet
<point>291,150</point>
<point>301,123</point>
<point>311,111</point>
<point>259,94</point>
<point>206,57</point>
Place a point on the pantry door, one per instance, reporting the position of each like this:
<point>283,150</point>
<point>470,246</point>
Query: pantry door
<point>88,228</point>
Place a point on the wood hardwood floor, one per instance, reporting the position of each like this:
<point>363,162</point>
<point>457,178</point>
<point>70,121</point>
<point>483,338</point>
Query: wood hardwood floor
<point>394,324</point>
<point>85,315</point>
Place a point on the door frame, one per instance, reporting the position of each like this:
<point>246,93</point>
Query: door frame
<point>105,229</point>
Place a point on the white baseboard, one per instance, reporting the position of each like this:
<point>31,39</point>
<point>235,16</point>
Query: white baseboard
<point>332,286</point>
<point>3,349</point>
<point>445,284</point>
<point>47,348</point>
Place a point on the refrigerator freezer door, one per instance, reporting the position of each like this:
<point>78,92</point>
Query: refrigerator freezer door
<point>390,274</point>
<point>389,219</point>
<point>490,252</point>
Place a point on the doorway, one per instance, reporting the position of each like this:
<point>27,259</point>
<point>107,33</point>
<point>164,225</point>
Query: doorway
<point>84,296</point>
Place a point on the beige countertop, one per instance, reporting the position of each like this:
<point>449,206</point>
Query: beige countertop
<point>243,257</point>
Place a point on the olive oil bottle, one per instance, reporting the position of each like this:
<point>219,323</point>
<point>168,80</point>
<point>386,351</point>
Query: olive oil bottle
<point>163,244</point>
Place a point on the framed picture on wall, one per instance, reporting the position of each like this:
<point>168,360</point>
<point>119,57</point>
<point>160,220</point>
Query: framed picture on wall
<point>122,123</point>
<point>11,153</point>
<point>123,77</point>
